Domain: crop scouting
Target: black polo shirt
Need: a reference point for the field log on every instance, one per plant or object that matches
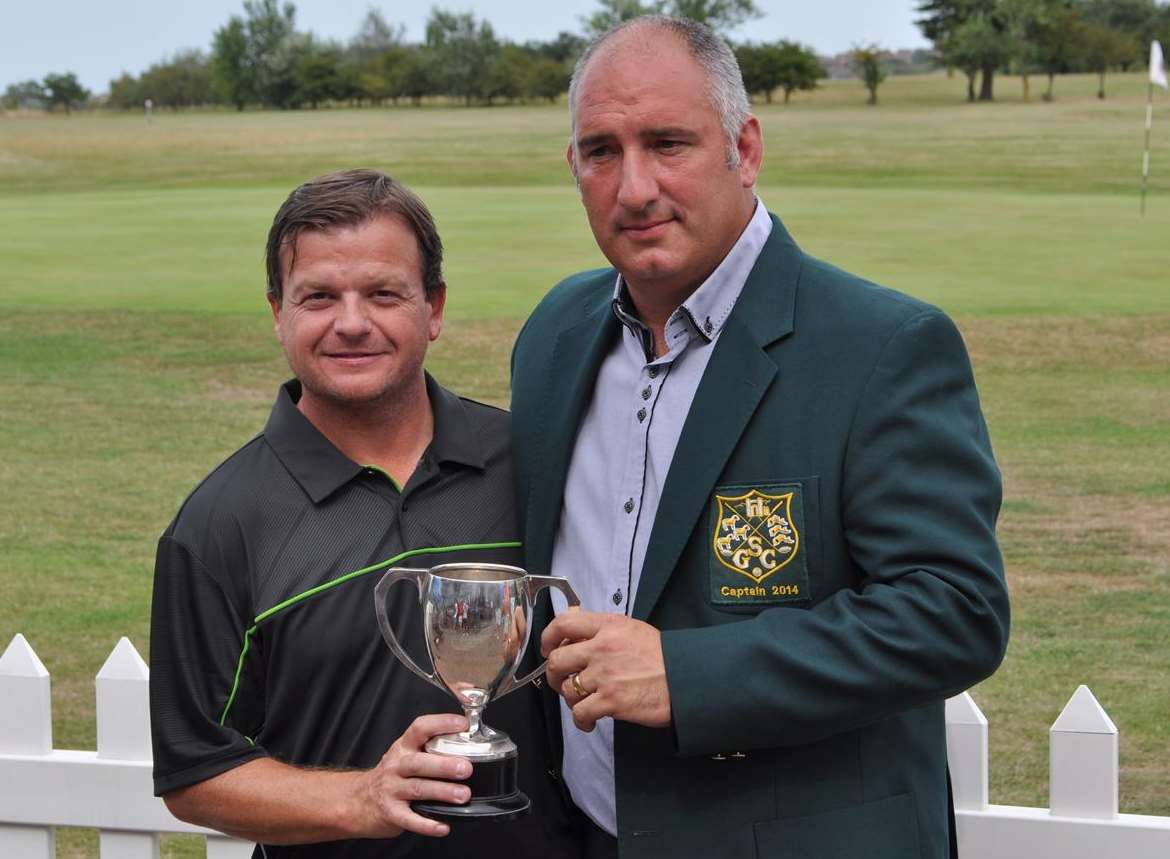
(264, 640)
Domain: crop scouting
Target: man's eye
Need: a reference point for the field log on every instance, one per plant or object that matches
(669, 145)
(597, 152)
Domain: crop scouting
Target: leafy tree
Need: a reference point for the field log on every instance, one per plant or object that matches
(64, 90)
(1058, 44)
(548, 79)
(1137, 19)
(184, 80)
(231, 70)
(1023, 21)
(27, 95)
(125, 92)
(783, 64)
(1102, 47)
(273, 50)
(868, 65)
(799, 68)
(614, 12)
(463, 50)
(758, 76)
(719, 15)
(944, 19)
(508, 74)
(565, 48)
(318, 74)
(373, 38)
(973, 47)
(414, 76)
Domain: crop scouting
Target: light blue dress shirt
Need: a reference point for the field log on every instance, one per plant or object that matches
(622, 454)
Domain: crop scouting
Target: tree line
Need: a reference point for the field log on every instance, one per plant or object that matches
(982, 38)
(260, 59)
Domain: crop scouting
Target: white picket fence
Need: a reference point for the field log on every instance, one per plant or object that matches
(110, 789)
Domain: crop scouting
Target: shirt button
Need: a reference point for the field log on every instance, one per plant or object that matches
(653, 372)
(646, 392)
(641, 415)
(617, 597)
(629, 505)
(707, 326)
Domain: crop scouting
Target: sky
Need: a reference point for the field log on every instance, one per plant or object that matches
(99, 40)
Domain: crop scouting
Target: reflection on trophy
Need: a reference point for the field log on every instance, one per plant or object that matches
(476, 619)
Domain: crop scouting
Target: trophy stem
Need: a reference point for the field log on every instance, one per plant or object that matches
(474, 720)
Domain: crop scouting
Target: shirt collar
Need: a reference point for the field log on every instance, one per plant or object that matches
(321, 469)
(707, 308)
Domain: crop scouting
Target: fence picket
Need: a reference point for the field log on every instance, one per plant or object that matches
(27, 842)
(967, 752)
(123, 705)
(128, 845)
(26, 719)
(1083, 765)
(223, 847)
(26, 728)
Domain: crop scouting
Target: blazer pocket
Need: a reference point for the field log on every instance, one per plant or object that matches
(883, 829)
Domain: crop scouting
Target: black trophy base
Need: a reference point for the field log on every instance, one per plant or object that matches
(495, 797)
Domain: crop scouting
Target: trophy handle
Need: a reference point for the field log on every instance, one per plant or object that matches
(535, 585)
(380, 593)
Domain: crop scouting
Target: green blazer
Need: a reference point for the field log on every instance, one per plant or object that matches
(838, 423)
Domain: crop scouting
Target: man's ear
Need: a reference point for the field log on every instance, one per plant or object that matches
(571, 158)
(437, 302)
(274, 304)
(750, 146)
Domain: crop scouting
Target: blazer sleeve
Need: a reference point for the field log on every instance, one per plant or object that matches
(928, 618)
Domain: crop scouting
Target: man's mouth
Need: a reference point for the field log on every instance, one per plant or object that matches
(649, 229)
(352, 357)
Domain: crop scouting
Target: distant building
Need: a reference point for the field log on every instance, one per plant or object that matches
(904, 61)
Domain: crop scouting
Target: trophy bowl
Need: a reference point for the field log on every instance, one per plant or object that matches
(476, 621)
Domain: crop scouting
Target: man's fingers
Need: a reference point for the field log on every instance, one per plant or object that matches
(571, 625)
(566, 659)
(425, 765)
(586, 712)
(425, 727)
(412, 822)
(422, 789)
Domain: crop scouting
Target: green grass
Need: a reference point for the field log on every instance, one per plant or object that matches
(136, 350)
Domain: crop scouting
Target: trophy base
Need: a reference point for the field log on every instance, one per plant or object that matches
(495, 796)
(496, 809)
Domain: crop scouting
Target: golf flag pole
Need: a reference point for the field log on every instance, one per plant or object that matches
(1157, 76)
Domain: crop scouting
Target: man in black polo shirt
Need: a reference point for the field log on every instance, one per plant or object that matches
(278, 713)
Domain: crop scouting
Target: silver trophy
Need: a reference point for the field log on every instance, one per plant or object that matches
(476, 619)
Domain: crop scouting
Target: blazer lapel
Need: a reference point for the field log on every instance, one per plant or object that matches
(735, 381)
(576, 360)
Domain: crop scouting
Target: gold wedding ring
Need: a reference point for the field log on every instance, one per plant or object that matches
(577, 687)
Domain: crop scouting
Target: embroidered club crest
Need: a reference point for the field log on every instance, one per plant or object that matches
(754, 533)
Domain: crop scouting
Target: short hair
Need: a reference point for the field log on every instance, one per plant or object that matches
(347, 199)
(725, 88)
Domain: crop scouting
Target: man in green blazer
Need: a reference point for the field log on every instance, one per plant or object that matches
(770, 482)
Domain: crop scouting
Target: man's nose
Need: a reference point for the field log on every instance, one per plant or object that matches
(351, 320)
(638, 187)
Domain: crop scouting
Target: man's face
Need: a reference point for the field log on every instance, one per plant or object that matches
(650, 158)
(354, 320)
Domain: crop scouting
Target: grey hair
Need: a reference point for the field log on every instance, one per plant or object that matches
(725, 88)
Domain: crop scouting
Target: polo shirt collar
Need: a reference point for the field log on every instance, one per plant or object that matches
(321, 469)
